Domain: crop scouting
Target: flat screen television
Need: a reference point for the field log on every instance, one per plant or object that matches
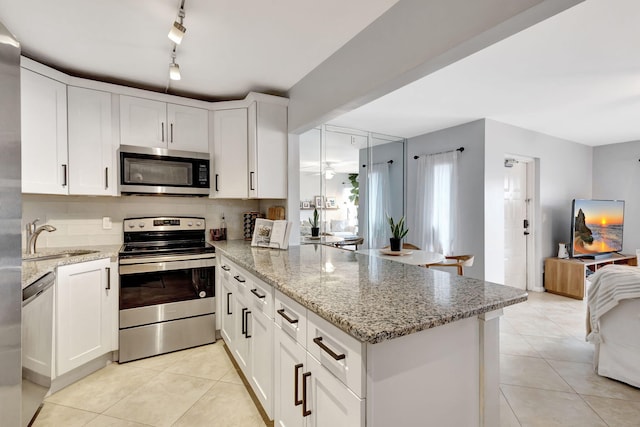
(596, 227)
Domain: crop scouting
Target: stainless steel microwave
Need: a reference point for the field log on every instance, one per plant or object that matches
(145, 170)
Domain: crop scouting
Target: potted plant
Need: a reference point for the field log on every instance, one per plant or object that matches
(315, 230)
(398, 231)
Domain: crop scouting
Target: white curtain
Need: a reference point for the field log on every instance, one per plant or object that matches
(436, 202)
(379, 205)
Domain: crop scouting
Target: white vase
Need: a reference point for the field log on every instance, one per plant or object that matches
(562, 250)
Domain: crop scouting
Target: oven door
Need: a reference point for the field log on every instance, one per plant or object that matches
(159, 291)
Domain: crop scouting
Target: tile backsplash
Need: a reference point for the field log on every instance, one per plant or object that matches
(78, 219)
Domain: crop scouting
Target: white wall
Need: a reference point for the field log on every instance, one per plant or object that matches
(564, 172)
(470, 185)
(616, 175)
(79, 219)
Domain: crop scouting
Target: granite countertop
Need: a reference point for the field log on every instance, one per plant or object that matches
(34, 269)
(370, 298)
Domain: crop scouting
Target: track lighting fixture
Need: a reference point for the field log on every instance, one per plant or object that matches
(178, 29)
(174, 69)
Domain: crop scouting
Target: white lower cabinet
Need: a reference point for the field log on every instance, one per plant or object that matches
(86, 311)
(247, 328)
(306, 392)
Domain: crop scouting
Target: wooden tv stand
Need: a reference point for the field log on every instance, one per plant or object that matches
(567, 277)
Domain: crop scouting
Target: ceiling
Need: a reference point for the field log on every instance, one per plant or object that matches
(231, 47)
(575, 76)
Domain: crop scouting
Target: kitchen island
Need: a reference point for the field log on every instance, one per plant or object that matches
(429, 339)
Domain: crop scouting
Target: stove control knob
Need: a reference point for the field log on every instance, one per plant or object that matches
(141, 225)
(131, 225)
(190, 224)
(198, 224)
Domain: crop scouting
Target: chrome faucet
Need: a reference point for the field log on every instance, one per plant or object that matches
(33, 233)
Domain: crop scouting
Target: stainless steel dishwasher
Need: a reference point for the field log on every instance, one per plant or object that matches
(37, 334)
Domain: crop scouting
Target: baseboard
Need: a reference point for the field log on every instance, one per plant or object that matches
(80, 372)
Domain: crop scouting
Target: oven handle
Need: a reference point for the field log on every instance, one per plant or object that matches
(165, 266)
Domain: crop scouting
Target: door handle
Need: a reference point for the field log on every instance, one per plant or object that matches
(246, 314)
(171, 130)
(162, 132)
(108, 270)
(251, 180)
(64, 175)
(106, 178)
(228, 304)
(296, 369)
(305, 412)
(244, 328)
(217, 183)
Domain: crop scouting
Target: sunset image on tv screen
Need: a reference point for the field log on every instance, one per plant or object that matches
(597, 226)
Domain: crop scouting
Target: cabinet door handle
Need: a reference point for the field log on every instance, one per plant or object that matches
(225, 268)
(255, 292)
(228, 304)
(239, 279)
(296, 369)
(64, 175)
(162, 132)
(318, 340)
(244, 328)
(108, 270)
(287, 318)
(305, 412)
(171, 130)
(251, 180)
(106, 178)
(217, 182)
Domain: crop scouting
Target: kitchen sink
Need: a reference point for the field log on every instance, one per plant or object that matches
(54, 255)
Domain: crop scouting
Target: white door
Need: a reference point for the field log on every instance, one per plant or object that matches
(289, 363)
(188, 128)
(90, 147)
(44, 134)
(515, 233)
(261, 358)
(83, 322)
(230, 175)
(228, 327)
(143, 122)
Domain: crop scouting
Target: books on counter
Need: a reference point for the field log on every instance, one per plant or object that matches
(271, 234)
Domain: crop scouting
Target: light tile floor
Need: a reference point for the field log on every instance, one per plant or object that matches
(546, 380)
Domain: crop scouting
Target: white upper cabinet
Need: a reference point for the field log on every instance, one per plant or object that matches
(44, 134)
(229, 178)
(250, 152)
(188, 128)
(267, 151)
(91, 147)
(148, 123)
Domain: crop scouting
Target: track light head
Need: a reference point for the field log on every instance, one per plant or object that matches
(174, 69)
(177, 32)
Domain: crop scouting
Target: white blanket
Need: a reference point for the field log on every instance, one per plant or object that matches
(610, 285)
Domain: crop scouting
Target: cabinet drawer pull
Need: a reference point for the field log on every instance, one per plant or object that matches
(171, 127)
(255, 292)
(225, 268)
(296, 369)
(108, 270)
(239, 279)
(229, 304)
(305, 412)
(162, 132)
(106, 178)
(318, 340)
(251, 181)
(246, 321)
(287, 318)
(244, 327)
(217, 182)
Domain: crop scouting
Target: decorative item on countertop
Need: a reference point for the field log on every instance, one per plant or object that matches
(398, 231)
(249, 223)
(562, 251)
(219, 233)
(315, 230)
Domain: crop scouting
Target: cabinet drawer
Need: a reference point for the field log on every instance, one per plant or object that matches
(291, 317)
(261, 297)
(342, 355)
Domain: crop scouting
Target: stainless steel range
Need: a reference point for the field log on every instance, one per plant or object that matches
(167, 286)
